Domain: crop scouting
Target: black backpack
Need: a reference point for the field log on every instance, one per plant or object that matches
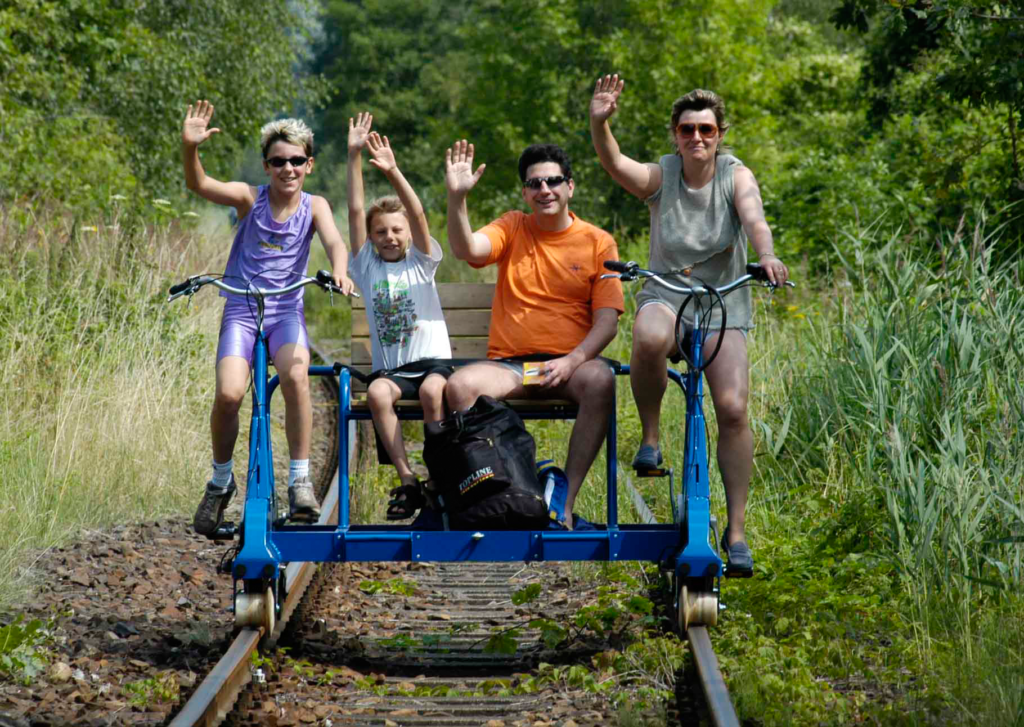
(484, 474)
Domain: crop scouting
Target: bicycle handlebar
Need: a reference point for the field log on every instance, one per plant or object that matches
(195, 282)
(631, 271)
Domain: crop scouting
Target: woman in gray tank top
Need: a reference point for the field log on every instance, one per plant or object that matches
(704, 207)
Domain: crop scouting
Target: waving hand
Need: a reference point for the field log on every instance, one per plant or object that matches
(197, 118)
(606, 97)
(459, 176)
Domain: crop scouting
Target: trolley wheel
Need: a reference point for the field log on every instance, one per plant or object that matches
(696, 608)
(256, 610)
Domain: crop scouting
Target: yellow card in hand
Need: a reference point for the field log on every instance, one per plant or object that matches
(533, 373)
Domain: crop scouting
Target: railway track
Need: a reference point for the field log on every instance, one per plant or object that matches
(418, 658)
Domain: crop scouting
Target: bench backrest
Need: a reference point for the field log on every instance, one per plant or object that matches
(467, 312)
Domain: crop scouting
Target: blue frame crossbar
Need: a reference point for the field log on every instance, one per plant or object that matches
(684, 545)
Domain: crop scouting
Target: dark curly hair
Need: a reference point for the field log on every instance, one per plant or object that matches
(538, 153)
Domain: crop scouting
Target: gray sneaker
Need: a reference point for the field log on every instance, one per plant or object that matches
(302, 504)
(210, 512)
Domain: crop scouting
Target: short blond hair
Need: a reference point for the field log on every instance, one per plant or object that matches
(291, 131)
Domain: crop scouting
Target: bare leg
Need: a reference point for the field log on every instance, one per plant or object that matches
(292, 364)
(653, 340)
(592, 387)
(728, 378)
(491, 379)
(381, 398)
(232, 382)
(432, 398)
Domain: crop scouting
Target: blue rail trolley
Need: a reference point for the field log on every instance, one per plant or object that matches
(686, 548)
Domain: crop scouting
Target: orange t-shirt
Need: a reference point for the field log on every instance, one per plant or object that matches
(549, 284)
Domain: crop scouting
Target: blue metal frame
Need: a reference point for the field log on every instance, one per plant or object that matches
(683, 545)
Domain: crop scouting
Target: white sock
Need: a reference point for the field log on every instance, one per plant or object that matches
(297, 468)
(222, 474)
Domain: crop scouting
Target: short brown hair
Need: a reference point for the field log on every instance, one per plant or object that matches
(697, 100)
(383, 206)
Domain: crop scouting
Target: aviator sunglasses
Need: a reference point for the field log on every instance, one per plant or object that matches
(278, 162)
(704, 129)
(552, 182)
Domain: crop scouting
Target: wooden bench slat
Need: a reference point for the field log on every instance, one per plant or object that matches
(464, 321)
(475, 347)
(455, 295)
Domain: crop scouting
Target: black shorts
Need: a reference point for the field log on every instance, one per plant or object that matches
(410, 388)
(410, 385)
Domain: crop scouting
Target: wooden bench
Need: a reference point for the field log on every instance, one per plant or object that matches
(467, 313)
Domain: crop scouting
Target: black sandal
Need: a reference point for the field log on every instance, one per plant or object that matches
(407, 499)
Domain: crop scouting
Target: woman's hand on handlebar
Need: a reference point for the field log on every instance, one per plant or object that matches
(777, 272)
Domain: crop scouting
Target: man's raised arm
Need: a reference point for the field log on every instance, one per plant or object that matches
(460, 178)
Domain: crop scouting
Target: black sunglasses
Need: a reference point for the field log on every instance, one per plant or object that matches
(279, 162)
(552, 182)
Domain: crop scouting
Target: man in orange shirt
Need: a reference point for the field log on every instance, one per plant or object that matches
(549, 298)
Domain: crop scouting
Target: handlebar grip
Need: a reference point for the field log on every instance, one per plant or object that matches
(757, 272)
(180, 287)
(617, 265)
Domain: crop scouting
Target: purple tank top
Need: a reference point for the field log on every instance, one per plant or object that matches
(271, 254)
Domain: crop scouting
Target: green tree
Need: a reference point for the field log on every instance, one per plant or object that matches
(98, 88)
(970, 54)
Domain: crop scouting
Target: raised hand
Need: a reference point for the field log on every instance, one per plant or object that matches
(459, 176)
(381, 155)
(197, 118)
(606, 97)
(358, 130)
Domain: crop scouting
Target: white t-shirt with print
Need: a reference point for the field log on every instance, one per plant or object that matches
(404, 311)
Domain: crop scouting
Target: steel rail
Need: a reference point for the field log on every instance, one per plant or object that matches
(716, 695)
(217, 693)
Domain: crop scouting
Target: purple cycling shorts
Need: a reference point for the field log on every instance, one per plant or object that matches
(238, 331)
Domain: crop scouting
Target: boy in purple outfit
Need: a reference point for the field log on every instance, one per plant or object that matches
(271, 250)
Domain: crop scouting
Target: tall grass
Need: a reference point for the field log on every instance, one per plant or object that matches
(909, 410)
(103, 415)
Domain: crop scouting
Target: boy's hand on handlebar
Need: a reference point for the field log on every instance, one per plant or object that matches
(344, 283)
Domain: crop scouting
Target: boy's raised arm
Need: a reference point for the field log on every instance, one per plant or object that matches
(382, 157)
(358, 131)
(194, 131)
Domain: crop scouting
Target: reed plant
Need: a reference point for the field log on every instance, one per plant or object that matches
(893, 445)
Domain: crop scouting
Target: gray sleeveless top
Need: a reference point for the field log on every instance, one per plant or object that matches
(699, 230)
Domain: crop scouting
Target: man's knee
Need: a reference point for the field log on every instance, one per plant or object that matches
(594, 382)
(461, 390)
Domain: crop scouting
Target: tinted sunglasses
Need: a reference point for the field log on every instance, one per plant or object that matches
(552, 182)
(278, 162)
(704, 129)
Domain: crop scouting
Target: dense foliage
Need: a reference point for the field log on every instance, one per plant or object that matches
(92, 92)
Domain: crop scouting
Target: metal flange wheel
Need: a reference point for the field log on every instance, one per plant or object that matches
(256, 610)
(696, 608)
